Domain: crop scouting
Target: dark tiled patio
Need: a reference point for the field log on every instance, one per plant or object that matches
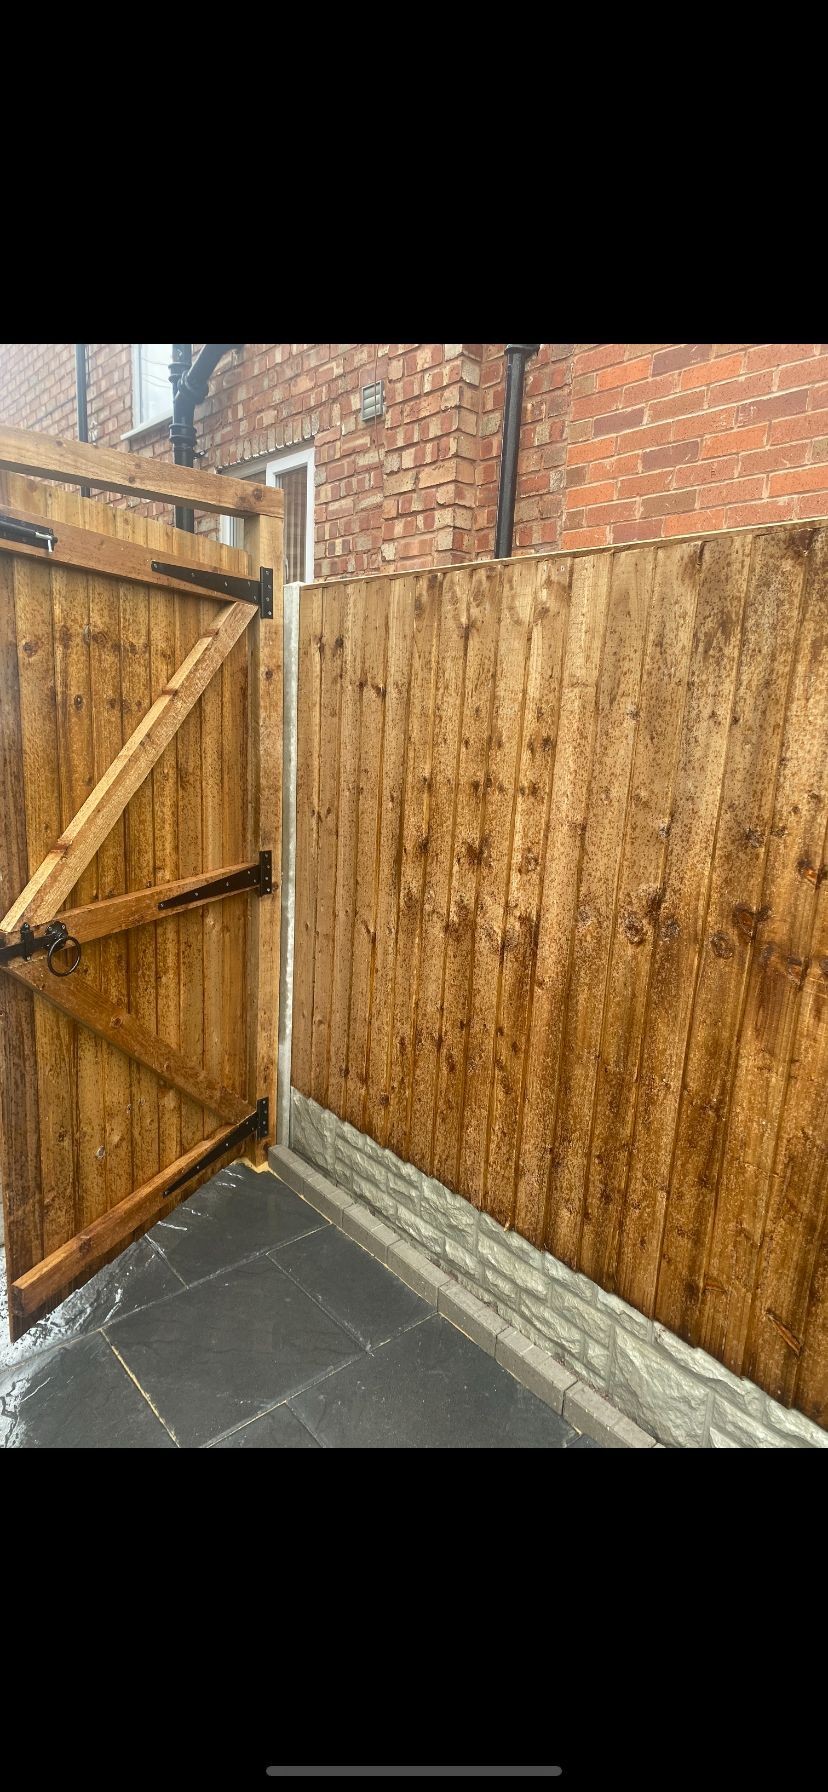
(247, 1321)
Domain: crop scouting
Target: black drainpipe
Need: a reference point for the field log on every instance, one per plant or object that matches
(80, 396)
(517, 355)
(190, 382)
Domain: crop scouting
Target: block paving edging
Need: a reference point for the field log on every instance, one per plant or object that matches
(536, 1370)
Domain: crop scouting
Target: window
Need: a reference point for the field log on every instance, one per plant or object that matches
(291, 473)
(151, 389)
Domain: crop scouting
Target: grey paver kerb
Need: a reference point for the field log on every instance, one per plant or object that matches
(590, 1413)
(414, 1269)
(540, 1373)
(479, 1322)
(372, 1234)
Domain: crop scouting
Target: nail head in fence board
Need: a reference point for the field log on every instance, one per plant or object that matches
(263, 543)
(75, 463)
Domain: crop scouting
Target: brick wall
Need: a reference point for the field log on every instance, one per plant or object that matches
(619, 442)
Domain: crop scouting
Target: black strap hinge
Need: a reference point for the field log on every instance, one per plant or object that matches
(257, 1123)
(249, 591)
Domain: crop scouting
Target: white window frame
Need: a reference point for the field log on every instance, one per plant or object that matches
(268, 467)
(138, 427)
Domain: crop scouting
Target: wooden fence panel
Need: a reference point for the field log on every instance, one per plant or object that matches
(561, 913)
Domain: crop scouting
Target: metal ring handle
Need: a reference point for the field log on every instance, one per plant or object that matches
(58, 945)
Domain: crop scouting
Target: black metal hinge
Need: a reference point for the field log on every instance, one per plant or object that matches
(32, 535)
(250, 591)
(257, 1123)
(252, 877)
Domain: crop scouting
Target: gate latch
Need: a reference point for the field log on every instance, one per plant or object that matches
(30, 535)
(54, 939)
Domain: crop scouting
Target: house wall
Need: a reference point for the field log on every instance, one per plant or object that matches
(620, 441)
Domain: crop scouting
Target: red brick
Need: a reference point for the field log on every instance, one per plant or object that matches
(584, 538)
(684, 355)
(586, 451)
(803, 373)
(594, 494)
(801, 479)
(593, 404)
(625, 375)
(704, 423)
(770, 460)
(648, 392)
(811, 504)
(797, 429)
(682, 404)
(653, 436)
(610, 513)
(746, 516)
(668, 503)
(734, 441)
(697, 522)
(704, 472)
(705, 372)
(643, 483)
(819, 398)
(776, 354)
(785, 404)
(735, 491)
(673, 454)
(643, 529)
(604, 355)
(618, 422)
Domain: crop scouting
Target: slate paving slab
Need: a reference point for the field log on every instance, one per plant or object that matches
(277, 1430)
(228, 1348)
(354, 1288)
(236, 1214)
(136, 1278)
(429, 1388)
(79, 1397)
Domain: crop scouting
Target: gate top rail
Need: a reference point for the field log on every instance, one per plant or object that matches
(79, 463)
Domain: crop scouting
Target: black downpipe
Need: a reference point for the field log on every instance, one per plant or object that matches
(190, 382)
(80, 397)
(517, 355)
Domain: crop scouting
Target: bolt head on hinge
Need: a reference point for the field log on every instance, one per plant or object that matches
(262, 1117)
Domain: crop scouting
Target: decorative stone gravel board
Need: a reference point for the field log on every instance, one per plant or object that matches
(684, 1397)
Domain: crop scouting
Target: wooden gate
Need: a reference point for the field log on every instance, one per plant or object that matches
(140, 732)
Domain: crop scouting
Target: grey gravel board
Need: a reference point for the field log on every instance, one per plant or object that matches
(77, 1398)
(278, 1430)
(229, 1348)
(429, 1388)
(356, 1290)
(236, 1214)
(134, 1279)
